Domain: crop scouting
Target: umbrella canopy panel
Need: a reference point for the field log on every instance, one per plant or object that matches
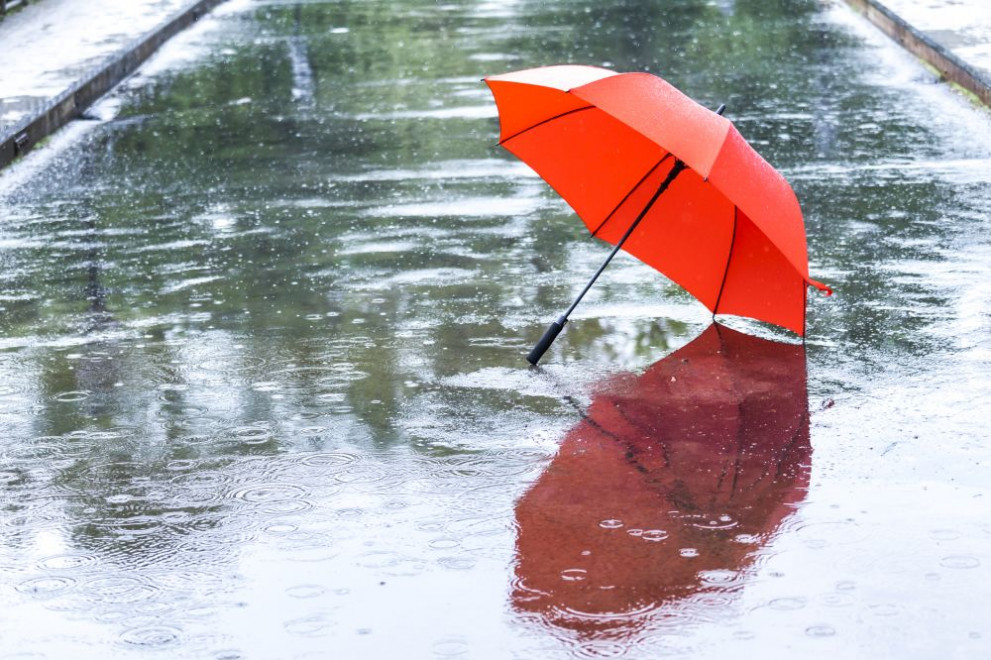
(729, 228)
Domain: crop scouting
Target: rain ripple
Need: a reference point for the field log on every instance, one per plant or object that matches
(46, 586)
(268, 492)
(152, 637)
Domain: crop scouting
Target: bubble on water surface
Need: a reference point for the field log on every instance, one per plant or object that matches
(228, 654)
(444, 543)
(718, 522)
(959, 562)
(72, 397)
(574, 574)
(787, 604)
(305, 591)
(252, 435)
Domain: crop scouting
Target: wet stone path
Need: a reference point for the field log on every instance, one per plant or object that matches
(262, 392)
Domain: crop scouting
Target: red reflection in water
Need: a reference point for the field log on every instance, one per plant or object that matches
(667, 487)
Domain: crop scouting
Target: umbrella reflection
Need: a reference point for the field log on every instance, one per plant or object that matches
(667, 487)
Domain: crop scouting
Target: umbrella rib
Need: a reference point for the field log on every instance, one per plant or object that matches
(545, 121)
(729, 257)
(632, 190)
(796, 437)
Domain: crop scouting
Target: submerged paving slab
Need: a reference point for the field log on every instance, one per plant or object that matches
(954, 36)
(61, 55)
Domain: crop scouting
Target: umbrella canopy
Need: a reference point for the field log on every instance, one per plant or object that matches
(668, 485)
(729, 229)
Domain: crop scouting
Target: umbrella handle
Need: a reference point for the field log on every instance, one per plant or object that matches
(553, 330)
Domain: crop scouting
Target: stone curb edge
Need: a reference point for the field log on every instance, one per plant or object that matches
(71, 103)
(916, 42)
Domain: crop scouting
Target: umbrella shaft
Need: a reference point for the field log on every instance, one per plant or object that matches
(557, 326)
(675, 171)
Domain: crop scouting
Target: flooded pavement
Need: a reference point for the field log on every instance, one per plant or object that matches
(263, 392)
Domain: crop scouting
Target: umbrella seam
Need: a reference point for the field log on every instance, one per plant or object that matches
(729, 258)
(545, 121)
(631, 451)
(631, 191)
(792, 442)
(804, 276)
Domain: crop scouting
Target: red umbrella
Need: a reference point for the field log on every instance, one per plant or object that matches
(667, 486)
(729, 229)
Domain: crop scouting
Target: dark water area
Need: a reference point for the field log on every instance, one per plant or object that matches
(262, 326)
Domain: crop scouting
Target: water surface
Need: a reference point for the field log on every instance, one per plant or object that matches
(262, 391)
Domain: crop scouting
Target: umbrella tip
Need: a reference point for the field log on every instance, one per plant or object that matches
(822, 287)
(721, 109)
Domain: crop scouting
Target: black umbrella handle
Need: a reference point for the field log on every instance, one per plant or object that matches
(557, 326)
(553, 330)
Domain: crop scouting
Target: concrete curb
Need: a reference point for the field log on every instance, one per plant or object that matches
(7, 5)
(71, 103)
(951, 67)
